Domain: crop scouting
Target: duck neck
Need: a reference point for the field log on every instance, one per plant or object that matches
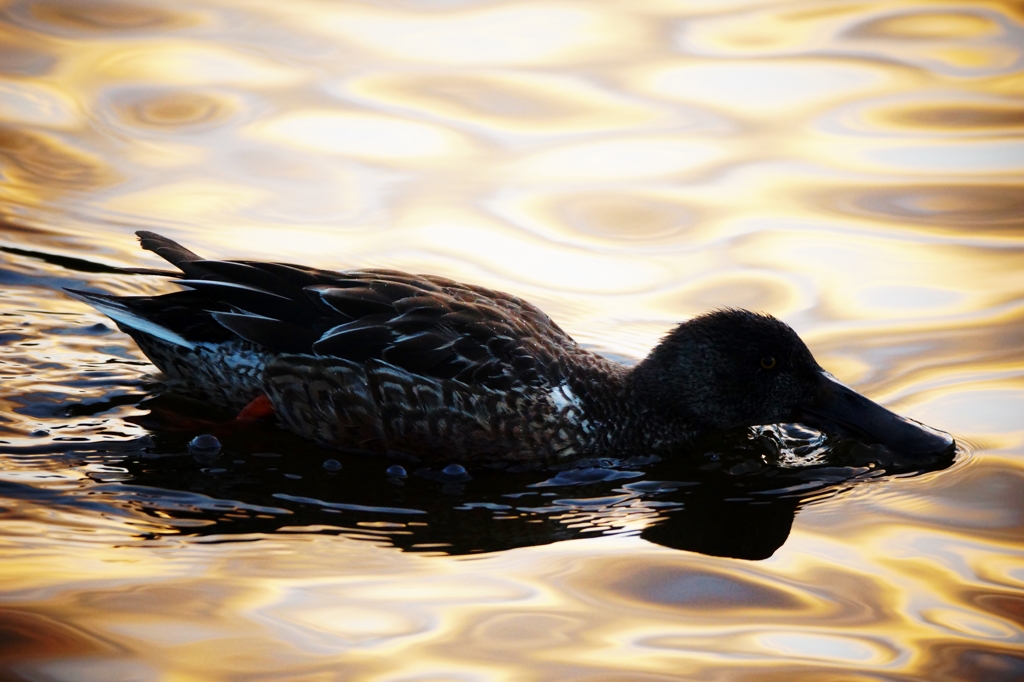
(654, 416)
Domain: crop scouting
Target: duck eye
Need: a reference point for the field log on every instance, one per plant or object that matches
(768, 362)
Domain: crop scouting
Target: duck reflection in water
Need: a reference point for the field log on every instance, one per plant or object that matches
(732, 494)
(437, 372)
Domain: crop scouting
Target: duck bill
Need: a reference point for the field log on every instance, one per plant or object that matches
(837, 409)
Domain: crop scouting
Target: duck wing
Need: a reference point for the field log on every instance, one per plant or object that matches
(427, 325)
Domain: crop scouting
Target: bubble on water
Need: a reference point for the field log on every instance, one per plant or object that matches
(396, 471)
(204, 445)
(332, 465)
(454, 472)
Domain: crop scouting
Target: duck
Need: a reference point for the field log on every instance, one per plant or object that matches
(388, 361)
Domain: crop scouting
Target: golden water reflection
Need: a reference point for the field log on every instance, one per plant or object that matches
(852, 168)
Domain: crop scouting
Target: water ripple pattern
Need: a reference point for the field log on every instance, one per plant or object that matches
(855, 168)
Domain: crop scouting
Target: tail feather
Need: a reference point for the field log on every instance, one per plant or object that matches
(116, 310)
(168, 249)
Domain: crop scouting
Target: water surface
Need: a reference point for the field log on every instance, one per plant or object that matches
(856, 169)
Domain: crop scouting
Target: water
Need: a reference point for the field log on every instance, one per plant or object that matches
(855, 169)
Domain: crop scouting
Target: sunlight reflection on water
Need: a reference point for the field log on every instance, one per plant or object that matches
(854, 169)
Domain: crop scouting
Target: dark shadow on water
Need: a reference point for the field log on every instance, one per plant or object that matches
(731, 495)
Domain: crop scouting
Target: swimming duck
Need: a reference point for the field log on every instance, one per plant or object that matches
(420, 364)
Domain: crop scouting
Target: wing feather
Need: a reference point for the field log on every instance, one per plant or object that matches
(267, 332)
(429, 325)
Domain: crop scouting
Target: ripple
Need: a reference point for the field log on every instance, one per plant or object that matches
(620, 160)
(101, 17)
(972, 624)
(22, 60)
(504, 252)
(849, 650)
(955, 42)
(193, 64)
(36, 105)
(949, 117)
(973, 663)
(697, 590)
(761, 90)
(628, 219)
(37, 160)
(36, 635)
(765, 291)
(926, 25)
(512, 34)
(189, 201)
(978, 158)
(361, 135)
(501, 102)
(530, 631)
(174, 111)
(927, 116)
(346, 625)
(991, 410)
(991, 208)
(701, 590)
(971, 41)
(909, 299)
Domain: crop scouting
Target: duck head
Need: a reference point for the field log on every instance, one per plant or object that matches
(734, 368)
